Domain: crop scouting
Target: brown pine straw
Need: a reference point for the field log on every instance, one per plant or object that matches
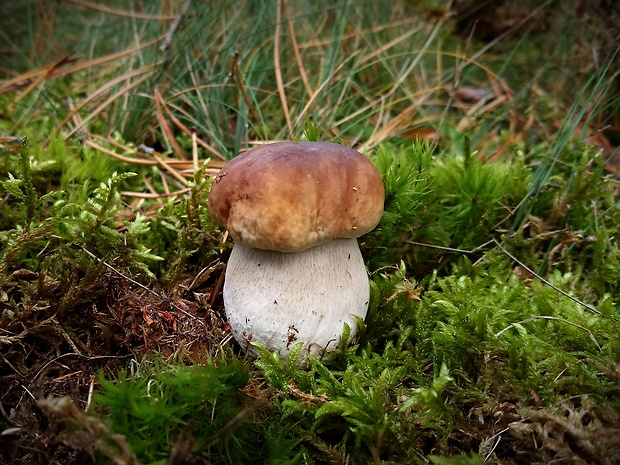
(101, 91)
(164, 181)
(163, 163)
(401, 121)
(75, 116)
(41, 75)
(165, 128)
(195, 150)
(278, 70)
(324, 84)
(179, 164)
(300, 63)
(190, 132)
(152, 190)
(54, 70)
(154, 195)
(127, 14)
(187, 168)
(92, 115)
(236, 76)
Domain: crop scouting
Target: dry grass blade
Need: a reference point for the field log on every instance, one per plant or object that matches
(91, 433)
(149, 195)
(135, 161)
(400, 122)
(46, 15)
(214, 165)
(100, 91)
(107, 58)
(152, 189)
(13, 338)
(163, 163)
(236, 75)
(449, 249)
(242, 416)
(75, 116)
(407, 72)
(278, 69)
(18, 81)
(369, 31)
(38, 76)
(324, 85)
(113, 98)
(300, 63)
(152, 193)
(11, 143)
(122, 275)
(480, 108)
(191, 133)
(165, 128)
(195, 150)
(391, 44)
(526, 19)
(124, 13)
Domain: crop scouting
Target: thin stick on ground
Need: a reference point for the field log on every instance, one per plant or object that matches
(122, 275)
(195, 150)
(174, 26)
(529, 270)
(555, 318)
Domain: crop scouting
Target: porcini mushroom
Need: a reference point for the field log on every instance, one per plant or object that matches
(294, 210)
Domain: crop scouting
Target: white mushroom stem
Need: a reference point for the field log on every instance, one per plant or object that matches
(279, 299)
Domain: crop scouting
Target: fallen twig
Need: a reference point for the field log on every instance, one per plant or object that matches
(92, 255)
(548, 317)
(529, 270)
(174, 26)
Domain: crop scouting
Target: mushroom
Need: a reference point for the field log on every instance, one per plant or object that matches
(296, 274)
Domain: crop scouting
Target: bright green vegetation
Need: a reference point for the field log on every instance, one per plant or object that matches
(493, 333)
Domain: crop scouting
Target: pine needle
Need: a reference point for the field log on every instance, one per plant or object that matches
(278, 69)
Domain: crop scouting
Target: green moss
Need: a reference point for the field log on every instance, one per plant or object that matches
(163, 404)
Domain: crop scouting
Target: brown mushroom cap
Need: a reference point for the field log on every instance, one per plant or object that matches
(289, 196)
